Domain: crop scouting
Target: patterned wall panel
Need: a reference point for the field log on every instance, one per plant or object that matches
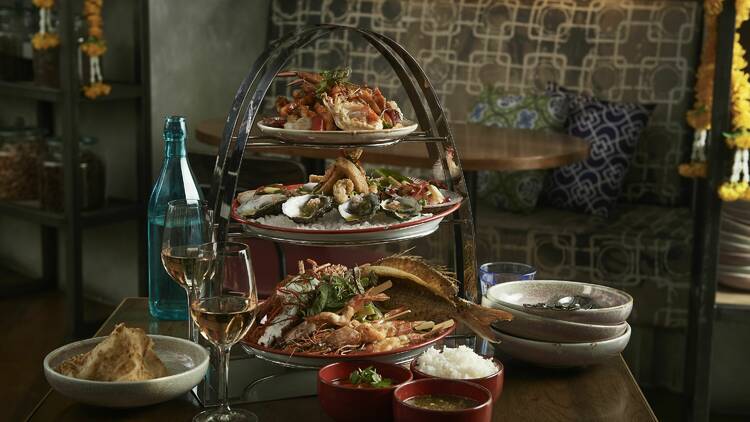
(622, 50)
(642, 249)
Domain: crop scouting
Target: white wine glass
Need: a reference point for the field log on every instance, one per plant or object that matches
(223, 307)
(187, 226)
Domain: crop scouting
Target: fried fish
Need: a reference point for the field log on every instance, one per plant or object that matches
(431, 293)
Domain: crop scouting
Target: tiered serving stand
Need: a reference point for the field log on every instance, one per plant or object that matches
(434, 132)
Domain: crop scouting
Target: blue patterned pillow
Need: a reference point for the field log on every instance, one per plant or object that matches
(517, 191)
(612, 129)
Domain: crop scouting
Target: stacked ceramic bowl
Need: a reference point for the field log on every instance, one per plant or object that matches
(560, 323)
(734, 245)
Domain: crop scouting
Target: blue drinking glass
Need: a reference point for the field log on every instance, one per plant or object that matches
(493, 273)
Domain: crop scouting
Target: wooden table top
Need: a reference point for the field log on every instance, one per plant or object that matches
(606, 392)
(480, 148)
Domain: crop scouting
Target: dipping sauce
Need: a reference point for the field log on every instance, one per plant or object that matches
(442, 402)
(346, 383)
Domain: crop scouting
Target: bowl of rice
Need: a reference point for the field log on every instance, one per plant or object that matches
(460, 363)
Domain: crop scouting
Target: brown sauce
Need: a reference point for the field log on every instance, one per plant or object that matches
(442, 402)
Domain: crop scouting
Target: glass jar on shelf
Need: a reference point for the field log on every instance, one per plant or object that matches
(16, 28)
(47, 67)
(20, 148)
(52, 181)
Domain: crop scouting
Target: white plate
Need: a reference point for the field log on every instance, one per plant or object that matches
(186, 363)
(340, 137)
(735, 280)
(371, 235)
(313, 361)
(616, 305)
(535, 327)
(451, 198)
(561, 355)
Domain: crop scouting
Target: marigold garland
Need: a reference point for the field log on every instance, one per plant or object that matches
(46, 38)
(738, 185)
(699, 117)
(94, 47)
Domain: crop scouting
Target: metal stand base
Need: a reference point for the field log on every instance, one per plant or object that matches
(255, 380)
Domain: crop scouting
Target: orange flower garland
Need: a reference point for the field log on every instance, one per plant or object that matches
(699, 118)
(46, 38)
(94, 47)
(738, 185)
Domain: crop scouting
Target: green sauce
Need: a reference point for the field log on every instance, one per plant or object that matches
(442, 402)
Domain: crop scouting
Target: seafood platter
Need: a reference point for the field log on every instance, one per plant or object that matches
(327, 108)
(346, 205)
(390, 310)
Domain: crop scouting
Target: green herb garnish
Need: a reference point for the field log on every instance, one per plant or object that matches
(369, 376)
(332, 78)
(383, 172)
(334, 291)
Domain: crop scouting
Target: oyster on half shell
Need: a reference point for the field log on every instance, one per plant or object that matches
(306, 208)
(360, 208)
(257, 205)
(401, 207)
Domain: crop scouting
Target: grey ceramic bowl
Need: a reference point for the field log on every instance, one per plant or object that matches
(560, 355)
(186, 362)
(614, 305)
(535, 327)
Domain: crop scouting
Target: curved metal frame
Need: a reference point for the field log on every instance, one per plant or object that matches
(424, 99)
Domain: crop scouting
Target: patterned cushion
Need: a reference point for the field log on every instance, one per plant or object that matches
(613, 129)
(517, 191)
(540, 111)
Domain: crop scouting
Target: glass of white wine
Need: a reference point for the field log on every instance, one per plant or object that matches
(187, 226)
(224, 306)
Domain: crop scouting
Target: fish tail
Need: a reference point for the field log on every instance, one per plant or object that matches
(479, 319)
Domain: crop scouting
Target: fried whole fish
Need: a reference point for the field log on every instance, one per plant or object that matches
(431, 294)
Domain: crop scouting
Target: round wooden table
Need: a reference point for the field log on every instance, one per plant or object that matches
(480, 148)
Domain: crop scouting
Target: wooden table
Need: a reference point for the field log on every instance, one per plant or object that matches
(606, 392)
(480, 148)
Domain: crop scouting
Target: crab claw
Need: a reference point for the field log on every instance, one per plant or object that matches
(310, 77)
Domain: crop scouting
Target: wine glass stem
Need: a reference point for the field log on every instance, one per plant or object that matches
(193, 334)
(224, 377)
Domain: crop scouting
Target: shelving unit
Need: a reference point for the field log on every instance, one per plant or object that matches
(708, 300)
(71, 223)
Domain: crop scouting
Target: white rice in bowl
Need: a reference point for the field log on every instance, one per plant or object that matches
(455, 363)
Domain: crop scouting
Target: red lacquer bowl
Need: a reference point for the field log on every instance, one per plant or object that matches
(493, 382)
(346, 403)
(403, 412)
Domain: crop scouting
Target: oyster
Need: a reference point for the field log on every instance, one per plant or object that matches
(255, 205)
(269, 189)
(401, 207)
(306, 208)
(359, 208)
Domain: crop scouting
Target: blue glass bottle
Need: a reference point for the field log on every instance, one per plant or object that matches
(166, 299)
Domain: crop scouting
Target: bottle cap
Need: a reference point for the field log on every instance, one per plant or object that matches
(175, 128)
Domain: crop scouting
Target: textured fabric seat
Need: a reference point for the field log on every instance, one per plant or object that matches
(642, 249)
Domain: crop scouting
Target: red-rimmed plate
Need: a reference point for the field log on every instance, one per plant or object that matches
(341, 137)
(367, 235)
(304, 360)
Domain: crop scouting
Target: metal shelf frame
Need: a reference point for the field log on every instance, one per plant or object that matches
(65, 100)
(436, 133)
(705, 305)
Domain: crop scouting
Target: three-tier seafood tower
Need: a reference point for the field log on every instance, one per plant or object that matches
(347, 207)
